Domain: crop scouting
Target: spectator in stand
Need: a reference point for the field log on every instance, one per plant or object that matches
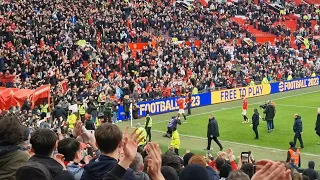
(11, 155)
(237, 175)
(109, 141)
(310, 172)
(73, 154)
(198, 159)
(44, 143)
(137, 166)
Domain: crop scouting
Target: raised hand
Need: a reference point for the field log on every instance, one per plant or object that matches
(154, 161)
(130, 146)
(271, 170)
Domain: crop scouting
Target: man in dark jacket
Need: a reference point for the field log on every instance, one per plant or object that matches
(317, 129)
(270, 113)
(297, 129)
(109, 139)
(93, 110)
(43, 143)
(310, 172)
(213, 132)
(255, 122)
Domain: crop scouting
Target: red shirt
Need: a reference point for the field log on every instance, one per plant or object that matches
(245, 104)
(180, 103)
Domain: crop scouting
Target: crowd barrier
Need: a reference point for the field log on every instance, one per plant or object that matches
(169, 104)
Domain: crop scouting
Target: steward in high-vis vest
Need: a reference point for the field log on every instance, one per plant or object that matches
(142, 136)
(44, 110)
(175, 140)
(293, 155)
(148, 125)
(82, 111)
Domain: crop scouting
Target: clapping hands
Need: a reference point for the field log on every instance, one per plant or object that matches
(268, 170)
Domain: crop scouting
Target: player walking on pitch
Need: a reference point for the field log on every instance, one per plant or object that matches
(244, 110)
(181, 104)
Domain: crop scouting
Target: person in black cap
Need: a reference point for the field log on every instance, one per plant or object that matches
(169, 173)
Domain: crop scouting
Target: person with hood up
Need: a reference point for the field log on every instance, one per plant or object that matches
(310, 172)
(297, 129)
(11, 157)
(293, 155)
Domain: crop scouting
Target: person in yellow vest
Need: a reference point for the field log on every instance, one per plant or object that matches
(293, 155)
(44, 110)
(142, 136)
(313, 74)
(265, 80)
(148, 125)
(195, 90)
(289, 77)
(71, 120)
(252, 83)
(81, 111)
(175, 140)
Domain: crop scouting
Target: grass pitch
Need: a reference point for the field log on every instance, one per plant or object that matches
(240, 137)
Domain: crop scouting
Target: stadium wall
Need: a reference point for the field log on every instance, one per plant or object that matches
(169, 104)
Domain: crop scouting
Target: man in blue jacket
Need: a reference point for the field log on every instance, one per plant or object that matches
(297, 129)
(109, 141)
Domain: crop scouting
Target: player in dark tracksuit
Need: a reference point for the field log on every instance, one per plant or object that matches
(173, 123)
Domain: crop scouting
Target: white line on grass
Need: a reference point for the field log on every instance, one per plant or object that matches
(290, 105)
(223, 109)
(242, 144)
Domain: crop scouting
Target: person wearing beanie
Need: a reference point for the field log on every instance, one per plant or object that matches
(169, 173)
(194, 172)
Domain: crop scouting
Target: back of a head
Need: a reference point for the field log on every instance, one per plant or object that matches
(171, 160)
(194, 172)
(11, 130)
(187, 157)
(169, 173)
(219, 162)
(108, 137)
(296, 176)
(225, 170)
(137, 163)
(238, 175)
(304, 177)
(311, 164)
(43, 141)
(198, 159)
(68, 147)
(248, 169)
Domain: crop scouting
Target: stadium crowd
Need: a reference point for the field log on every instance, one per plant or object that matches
(46, 43)
(85, 43)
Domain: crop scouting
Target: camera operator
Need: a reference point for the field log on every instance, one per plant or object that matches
(270, 112)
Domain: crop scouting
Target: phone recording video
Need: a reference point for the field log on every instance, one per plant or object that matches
(245, 157)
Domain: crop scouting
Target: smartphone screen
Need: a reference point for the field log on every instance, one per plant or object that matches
(245, 157)
(90, 151)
